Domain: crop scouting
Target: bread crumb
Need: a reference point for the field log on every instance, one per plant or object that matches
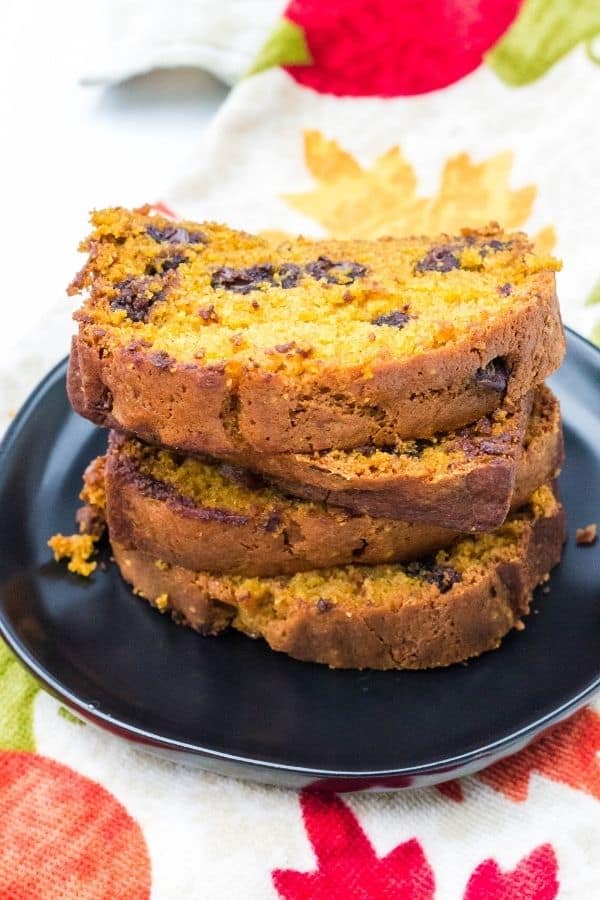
(162, 602)
(586, 536)
(77, 548)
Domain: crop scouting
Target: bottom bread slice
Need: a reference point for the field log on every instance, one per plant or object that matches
(418, 615)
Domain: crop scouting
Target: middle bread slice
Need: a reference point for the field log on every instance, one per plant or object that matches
(203, 515)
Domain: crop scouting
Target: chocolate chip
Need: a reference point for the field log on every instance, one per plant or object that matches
(496, 245)
(273, 521)
(443, 577)
(136, 297)
(173, 261)
(493, 376)
(289, 275)
(366, 450)
(161, 359)
(370, 449)
(343, 272)
(504, 289)
(285, 348)
(473, 446)
(323, 605)
(171, 234)
(360, 550)
(208, 314)
(242, 281)
(414, 449)
(396, 319)
(439, 259)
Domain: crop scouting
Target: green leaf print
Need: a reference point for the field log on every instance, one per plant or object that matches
(17, 693)
(544, 32)
(285, 46)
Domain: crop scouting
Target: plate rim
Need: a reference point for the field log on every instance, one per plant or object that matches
(451, 766)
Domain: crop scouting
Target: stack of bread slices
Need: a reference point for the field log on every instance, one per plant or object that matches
(343, 447)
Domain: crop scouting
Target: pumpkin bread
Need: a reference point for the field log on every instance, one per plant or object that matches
(209, 340)
(203, 515)
(415, 615)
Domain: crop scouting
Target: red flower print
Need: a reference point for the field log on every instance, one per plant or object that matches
(348, 868)
(389, 48)
(533, 879)
(63, 835)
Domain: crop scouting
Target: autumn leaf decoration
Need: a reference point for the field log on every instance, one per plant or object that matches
(347, 864)
(567, 754)
(349, 869)
(533, 878)
(350, 201)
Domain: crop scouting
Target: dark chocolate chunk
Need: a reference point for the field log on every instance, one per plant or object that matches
(161, 359)
(242, 281)
(323, 605)
(439, 259)
(396, 319)
(496, 245)
(370, 449)
(173, 261)
(493, 376)
(360, 550)
(342, 272)
(443, 577)
(173, 235)
(273, 521)
(289, 275)
(415, 449)
(504, 289)
(136, 297)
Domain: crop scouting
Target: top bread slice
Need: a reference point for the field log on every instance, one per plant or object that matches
(209, 340)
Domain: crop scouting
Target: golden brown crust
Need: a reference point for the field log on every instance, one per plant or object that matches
(289, 537)
(463, 622)
(201, 409)
(472, 494)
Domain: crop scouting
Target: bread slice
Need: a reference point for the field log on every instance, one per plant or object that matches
(463, 480)
(204, 516)
(412, 616)
(209, 340)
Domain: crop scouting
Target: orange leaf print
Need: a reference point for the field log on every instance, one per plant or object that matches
(350, 201)
(567, 754)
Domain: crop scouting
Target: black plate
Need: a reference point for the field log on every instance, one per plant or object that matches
(236, 707)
